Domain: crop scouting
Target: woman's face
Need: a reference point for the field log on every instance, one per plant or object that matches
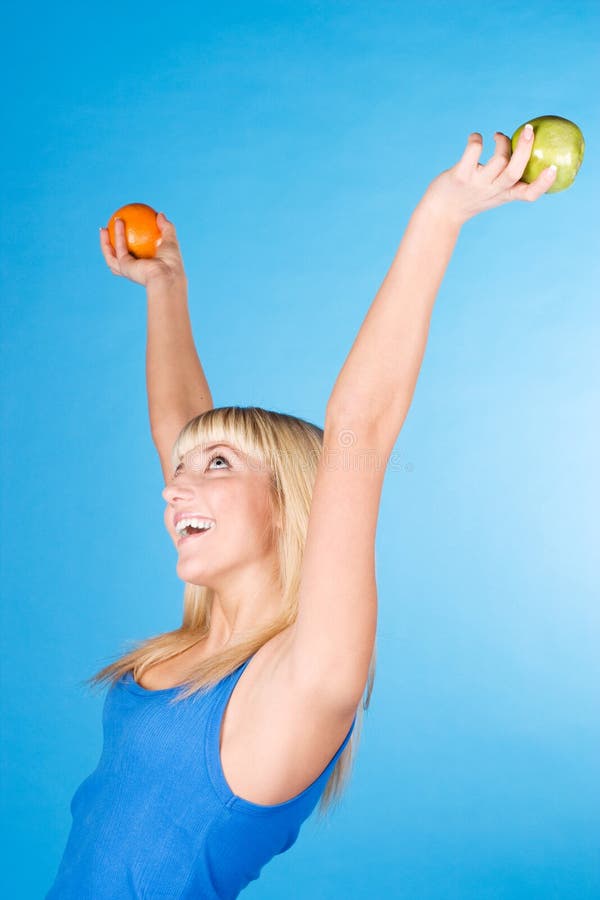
(220, 484)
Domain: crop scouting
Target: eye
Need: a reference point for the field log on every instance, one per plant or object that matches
(218, 456)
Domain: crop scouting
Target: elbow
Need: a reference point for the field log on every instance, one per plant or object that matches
(352, 433)
(380, 424)
(350, 409)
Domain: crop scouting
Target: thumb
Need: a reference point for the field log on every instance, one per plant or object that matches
(163, 222)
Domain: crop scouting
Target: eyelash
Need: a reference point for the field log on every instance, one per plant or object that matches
(216, 456)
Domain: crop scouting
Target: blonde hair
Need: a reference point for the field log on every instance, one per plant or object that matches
(289, 447)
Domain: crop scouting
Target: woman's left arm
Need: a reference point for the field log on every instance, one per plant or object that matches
(334, 632)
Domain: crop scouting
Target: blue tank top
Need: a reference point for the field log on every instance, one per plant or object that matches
(157, 819)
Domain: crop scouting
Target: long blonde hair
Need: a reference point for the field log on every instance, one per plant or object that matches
(290, 448)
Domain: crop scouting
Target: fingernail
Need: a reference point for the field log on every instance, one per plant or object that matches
(528, 131)
(551, 169)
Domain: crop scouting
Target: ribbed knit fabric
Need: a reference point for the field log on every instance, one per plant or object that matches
(157, 819)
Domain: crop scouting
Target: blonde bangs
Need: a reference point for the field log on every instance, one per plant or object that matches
(230, 424)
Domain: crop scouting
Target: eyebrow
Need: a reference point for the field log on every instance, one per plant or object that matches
(221, 444)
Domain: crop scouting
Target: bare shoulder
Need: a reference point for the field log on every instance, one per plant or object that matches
(276, 738)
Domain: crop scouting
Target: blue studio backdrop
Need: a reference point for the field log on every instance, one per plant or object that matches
(289, 143)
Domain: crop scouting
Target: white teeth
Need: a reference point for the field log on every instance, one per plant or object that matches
(183, 524)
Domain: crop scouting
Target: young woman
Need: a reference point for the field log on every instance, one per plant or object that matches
(221, 736)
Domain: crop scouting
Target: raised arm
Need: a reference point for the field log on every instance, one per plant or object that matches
(176, 384)
(334, 632)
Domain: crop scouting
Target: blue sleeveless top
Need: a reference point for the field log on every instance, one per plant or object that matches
(157, 819)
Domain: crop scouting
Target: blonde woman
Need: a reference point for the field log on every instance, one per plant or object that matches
(220, 737)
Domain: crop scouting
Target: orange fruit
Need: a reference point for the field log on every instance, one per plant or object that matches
(142, 234)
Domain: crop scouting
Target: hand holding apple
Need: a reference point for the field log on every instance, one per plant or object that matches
(514, 172)
(469, 188)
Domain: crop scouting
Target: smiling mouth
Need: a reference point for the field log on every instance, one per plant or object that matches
(194, 534)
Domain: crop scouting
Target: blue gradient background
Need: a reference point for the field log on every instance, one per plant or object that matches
(289, 143)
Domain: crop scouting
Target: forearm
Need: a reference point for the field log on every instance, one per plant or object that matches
(176, 384)
(379, 376)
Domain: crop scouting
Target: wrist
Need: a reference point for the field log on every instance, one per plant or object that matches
(167, 283)
(439, 207)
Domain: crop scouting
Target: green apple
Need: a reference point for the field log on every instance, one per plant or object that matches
(556, 141)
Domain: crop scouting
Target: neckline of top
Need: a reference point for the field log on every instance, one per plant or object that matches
(129, 682)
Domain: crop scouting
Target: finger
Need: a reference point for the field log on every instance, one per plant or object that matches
(470, 158)
(105, 244)
(518, 161)
(108, 251)
(530, 192)
(121, 244)
(167, 229)
(498, 162)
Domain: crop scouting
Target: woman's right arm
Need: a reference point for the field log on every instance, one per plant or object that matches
(176, 384)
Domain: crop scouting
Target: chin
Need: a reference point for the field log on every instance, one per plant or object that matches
(195, 573)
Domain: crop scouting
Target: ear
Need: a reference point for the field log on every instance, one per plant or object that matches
(276, 519)
(276, 512)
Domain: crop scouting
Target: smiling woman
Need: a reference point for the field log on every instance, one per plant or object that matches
(248, 709)
(224, 679)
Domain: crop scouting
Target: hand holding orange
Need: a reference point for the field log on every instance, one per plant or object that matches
(142, 233)
(141, 245)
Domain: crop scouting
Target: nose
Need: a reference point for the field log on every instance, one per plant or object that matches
(175, 490)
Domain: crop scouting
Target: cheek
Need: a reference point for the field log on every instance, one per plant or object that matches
(241, 507)
(263, 520)
(253, 514)
(225, 501)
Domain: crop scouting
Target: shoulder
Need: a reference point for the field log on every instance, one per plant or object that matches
(276, 739)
